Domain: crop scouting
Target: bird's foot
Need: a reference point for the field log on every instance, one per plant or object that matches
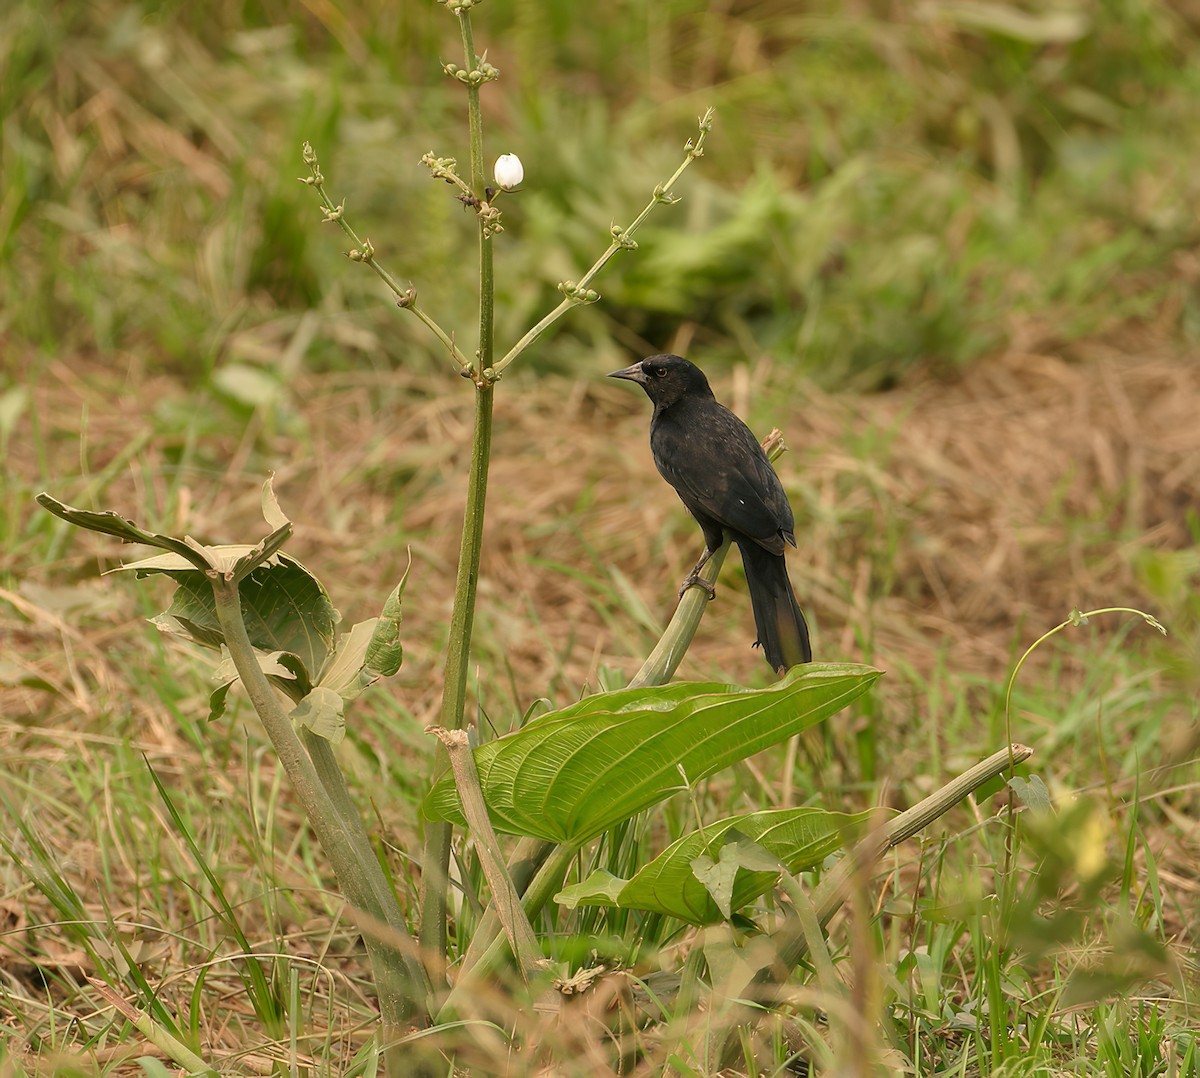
(697, 581)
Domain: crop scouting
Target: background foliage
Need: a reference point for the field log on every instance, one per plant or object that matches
(949, 248)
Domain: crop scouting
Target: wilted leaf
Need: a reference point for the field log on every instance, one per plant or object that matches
(321, 711)
(1032, 793)
(216, 700)
(275, 517)
(343, 672)
(110, 523)
(385, 652)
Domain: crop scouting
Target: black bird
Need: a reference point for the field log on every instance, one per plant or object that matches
(723, 477)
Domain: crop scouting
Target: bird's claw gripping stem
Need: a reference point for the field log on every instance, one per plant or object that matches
(694, 580)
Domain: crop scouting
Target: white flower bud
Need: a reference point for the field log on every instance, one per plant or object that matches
(508, 171)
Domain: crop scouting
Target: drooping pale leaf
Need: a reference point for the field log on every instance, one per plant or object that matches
(570, 774)
(739, 857)
(322, 712)
(275, 517)
(223, 557)
(195, 555)
(369, 651)
(799, 838)
(343, 673)
(200, 634)
(1032, 793)
(282, 668)
(109, 523)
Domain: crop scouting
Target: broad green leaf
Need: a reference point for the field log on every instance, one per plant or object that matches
(216, 701)
(570, 774)
(385, 653)
(798, 838)
(283, 605)
(601, 888)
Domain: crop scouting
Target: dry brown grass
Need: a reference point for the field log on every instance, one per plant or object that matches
(937, 515)
(940, 523)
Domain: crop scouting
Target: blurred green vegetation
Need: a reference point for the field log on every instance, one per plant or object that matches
(887, 184)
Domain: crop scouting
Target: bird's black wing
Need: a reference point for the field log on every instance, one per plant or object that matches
(721, 473)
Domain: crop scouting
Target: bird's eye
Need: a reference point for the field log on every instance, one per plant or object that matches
(660, 372)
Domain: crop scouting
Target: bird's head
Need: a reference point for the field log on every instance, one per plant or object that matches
(666, 379)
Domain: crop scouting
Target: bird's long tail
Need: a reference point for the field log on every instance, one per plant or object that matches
(782, 630)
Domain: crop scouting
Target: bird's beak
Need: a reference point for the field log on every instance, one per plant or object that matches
(634, 373)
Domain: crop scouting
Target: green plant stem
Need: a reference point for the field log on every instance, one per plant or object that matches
(668, 653)
(478, 181)
(505, 899)
(436, 854)
(333, 780)
(492, 947)
(400, 980)
(436, 858)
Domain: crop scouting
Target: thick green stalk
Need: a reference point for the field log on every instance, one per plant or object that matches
(662, 662)
(478, 180)
(436, 859)
(399, 978)
(490, 947)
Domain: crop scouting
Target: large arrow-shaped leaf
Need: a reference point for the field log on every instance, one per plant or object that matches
(800, 838)
(571, 774)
